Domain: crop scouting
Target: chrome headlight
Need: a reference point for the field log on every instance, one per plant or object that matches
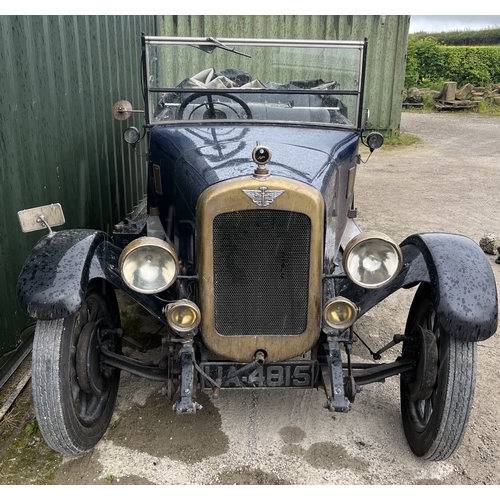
(372, 260)
(148, 265)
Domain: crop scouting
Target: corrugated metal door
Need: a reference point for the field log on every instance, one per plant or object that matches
(60, 77)
(387, 42)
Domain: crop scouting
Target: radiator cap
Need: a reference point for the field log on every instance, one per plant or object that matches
(262, 156)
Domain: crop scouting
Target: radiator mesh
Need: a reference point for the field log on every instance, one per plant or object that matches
(261, 272)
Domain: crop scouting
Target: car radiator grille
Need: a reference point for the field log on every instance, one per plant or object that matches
(261, 272)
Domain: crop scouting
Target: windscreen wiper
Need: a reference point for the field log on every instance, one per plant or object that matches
(210, 49)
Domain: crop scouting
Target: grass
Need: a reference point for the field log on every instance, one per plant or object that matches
(400, 140)
(392, 141)
(25, 458)
(487, 108)
(9, 422)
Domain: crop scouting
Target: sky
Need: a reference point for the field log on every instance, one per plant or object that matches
(436, 24)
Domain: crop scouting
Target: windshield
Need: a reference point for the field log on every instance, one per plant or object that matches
(265, 80)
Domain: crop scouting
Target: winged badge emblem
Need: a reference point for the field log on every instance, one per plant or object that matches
(263, 197)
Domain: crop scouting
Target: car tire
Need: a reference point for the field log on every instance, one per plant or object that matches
(74, 408)
(435, 425)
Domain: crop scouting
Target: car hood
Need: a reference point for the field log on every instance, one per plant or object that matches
(203, 156)
(196, 157)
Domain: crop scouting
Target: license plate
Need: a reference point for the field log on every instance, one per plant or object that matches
(297, 374)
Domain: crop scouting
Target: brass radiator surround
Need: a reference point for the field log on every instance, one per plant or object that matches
(229, 196)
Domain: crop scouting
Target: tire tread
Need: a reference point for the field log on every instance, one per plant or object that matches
(453, 401)
(53, 381)
(459, 397)
(46, 386)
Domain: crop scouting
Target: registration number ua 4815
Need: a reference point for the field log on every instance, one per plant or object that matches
(299, 374)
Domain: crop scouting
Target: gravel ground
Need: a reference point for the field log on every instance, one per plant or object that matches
(448, 182)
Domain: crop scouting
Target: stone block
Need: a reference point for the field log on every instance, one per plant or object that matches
(489, 243)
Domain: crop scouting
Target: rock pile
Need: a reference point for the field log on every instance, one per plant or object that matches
(450, 97)
(480, 93)
(416, 96)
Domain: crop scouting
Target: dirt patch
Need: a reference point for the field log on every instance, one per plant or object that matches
(326, 455)
(447, 182)
(189, 438)
(292, 435)
(248, 476)
(323, 455)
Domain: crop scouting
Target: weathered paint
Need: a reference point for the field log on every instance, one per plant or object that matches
(387, 43)
(60, 77)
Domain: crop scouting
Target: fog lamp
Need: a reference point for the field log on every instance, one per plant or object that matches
(372, 260)
(183, 316)
(148, 265)
(340, 313)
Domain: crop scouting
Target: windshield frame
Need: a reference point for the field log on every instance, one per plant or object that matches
(227, 44)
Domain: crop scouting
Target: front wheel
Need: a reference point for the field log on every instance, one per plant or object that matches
(437, 397)
(73, 393)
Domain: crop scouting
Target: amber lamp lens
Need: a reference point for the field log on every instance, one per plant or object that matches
(183, 316)
(340, 313)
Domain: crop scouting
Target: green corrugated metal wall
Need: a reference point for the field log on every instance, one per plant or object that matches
(60, 77)
(387, 42)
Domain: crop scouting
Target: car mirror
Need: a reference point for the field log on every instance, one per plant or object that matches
(47, 216)
(123, 109)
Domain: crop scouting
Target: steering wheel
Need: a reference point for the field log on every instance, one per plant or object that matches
(212, 112)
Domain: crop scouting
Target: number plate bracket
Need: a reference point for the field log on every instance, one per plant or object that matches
(291, 374)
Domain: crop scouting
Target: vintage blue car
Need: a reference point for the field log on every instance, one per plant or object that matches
(248, 253)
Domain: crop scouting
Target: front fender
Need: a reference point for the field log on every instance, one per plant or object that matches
(463, 286)
(56, 274)
(54, 279)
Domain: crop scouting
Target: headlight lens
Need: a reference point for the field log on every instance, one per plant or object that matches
(131, 135)
(148, 265)
(183, 316)
(340, 313)
(372, 260)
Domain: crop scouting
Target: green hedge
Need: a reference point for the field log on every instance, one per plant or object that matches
(485, 37)
(430, 64)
